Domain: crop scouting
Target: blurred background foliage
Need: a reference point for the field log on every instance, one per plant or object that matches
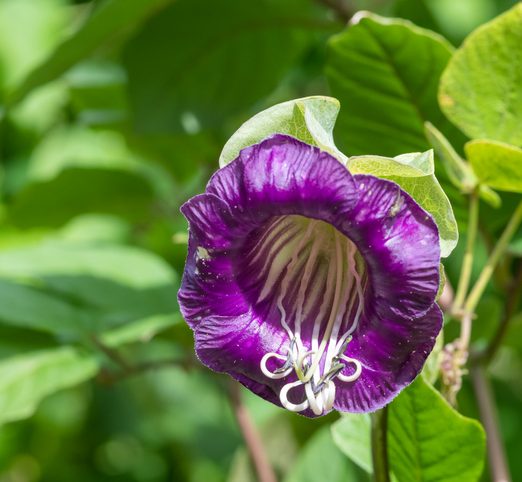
(112, 113)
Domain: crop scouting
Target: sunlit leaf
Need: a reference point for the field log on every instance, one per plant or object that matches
(497, 164)
(27, 378)
(27, 307)
(112, 18)
(480, 89)
(25, 42)
(310, 120)
(77, 191)
(123, 294)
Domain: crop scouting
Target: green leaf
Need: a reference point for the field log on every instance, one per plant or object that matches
(429, 441)
(75, 146)
(480, 89)
(113, 18)
(320, 459)
(27, 307)
(235, 56)
(310, 120)
(122, 294)
(496, 164)
(98, 92)
(71, 192)
(352, 435)
(385, 72)
(415, 174)
(26, 379)
(25, 42)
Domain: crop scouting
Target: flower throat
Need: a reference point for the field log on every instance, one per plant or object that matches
(322, 277)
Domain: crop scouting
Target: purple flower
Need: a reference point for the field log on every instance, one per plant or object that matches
(313, 287)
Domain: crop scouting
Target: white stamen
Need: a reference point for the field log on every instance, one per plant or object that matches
(283, 396)
(355, 375)
(316, 403)
(310, 263)
(316, 368)
(270, 374)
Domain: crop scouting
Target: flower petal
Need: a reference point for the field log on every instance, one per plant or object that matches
(392, 354)
(208, 287)
(282, 175)
(236, 345)
(399, 242)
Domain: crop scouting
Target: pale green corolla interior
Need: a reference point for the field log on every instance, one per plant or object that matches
(328, 278)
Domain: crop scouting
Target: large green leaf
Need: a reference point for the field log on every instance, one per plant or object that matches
(122, 294)
(310, 120)
(79, 190)
(496, 164)
(429, 441)
(76, 146)
(200, 72)
(320, 459)
(352, 435)
(26, 379)
(111, 19)
(415, 174)
(385, 72)
(29, 30)
(480, 89)
(27, 307)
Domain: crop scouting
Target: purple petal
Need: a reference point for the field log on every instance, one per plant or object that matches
(282, 175)
(392, 355)
(400, 243)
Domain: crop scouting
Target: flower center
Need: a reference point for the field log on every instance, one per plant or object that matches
(316, 280)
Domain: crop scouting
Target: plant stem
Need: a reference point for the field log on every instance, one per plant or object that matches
(486, 403)
(381, 472)
(498, 251)
(467, 262)
(264, 470)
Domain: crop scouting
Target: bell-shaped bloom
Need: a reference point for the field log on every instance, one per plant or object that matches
(313, 287)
